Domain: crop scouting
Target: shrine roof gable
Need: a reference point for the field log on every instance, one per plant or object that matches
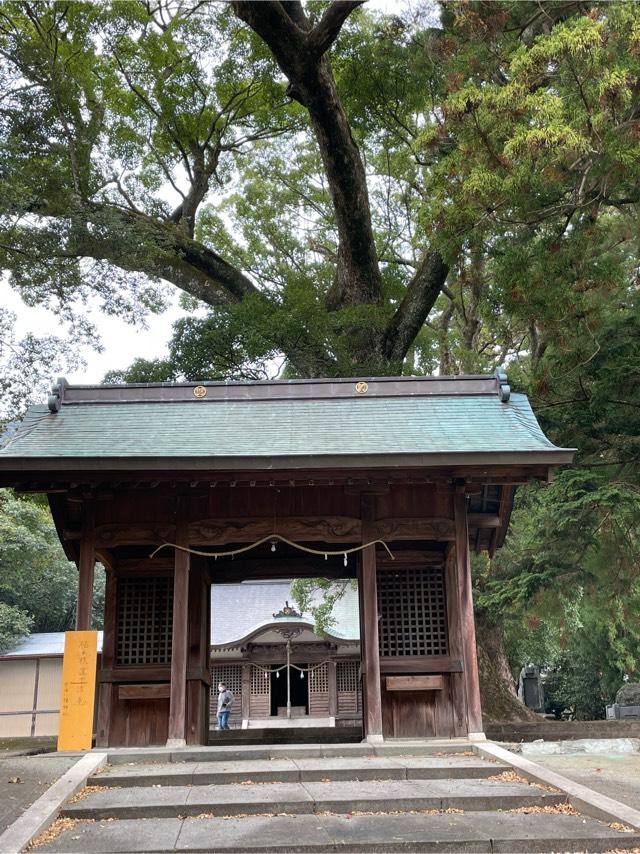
(377, 422)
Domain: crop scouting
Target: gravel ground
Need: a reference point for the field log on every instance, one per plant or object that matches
(614, 774)
(24, 778)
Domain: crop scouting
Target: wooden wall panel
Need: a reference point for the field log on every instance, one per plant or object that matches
(419, 714)
(319, 705)
(156, 507)
(419, 501)
(416, 614)
(260, 706)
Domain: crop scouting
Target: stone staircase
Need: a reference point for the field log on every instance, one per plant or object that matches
(322, 798)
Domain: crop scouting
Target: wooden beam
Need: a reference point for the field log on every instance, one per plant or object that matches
(417, 528)
(421, 664)
(483, 520)
(179, 646)
(86, 565)
(465, 605)
(414, 683)
(152, 691)
(213, 533)
(368, 590)
(220, 531)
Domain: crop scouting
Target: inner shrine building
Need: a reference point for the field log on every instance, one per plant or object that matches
(176, 487)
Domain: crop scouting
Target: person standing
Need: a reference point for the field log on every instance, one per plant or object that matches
(225, 702)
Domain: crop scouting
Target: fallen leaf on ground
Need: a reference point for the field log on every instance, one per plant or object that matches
(54, 830)
(88, 790)
(562, 809)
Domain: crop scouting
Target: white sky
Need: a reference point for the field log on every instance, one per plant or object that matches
(121, 342)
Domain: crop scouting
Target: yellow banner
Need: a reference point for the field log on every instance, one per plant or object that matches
(78, 690)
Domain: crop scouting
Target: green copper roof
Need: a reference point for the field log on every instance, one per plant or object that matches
(419, 426)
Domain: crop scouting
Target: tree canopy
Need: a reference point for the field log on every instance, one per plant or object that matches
(38, 585)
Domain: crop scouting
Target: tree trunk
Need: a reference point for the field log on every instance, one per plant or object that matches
(497, 688)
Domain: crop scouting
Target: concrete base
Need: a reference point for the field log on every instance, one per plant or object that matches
(477, 736)
(289, 723)
(176, 743)
(374, 739)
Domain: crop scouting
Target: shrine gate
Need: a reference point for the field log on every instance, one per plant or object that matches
(392, 481)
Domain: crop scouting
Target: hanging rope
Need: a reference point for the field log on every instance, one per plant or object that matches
(271, 538)
(307, 669)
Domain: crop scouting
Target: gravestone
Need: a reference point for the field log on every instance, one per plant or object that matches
(627, 703)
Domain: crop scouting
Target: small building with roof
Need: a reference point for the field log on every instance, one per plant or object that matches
(177, 487)
(251, 624)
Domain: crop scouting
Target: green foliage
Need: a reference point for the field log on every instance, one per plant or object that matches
(14, 625)
(35, 576)
(318, 597)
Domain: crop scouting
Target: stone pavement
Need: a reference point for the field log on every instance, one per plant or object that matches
(441, 832)
(614, 774)
(35, 775)
(315, 799)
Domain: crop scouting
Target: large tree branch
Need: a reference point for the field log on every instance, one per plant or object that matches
(300, 55)
(137, 243)
(421, 294)
(327, 30)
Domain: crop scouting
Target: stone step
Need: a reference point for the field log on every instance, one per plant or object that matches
(275, 733)
(297, 770)
(295, 798)
(480, 832)
(433, 747)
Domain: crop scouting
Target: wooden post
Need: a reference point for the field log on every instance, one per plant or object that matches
(107, 661)
(246, 694)
(467, 622)
(179, 642)
(372, 718)
(332, 685)
(457, 688)
(86, 564)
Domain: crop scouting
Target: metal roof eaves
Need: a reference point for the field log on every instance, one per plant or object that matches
(33, 416)
(422, 459)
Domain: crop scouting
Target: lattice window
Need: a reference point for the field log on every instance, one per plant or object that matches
(319, 680)
(347, 675)
(230, 675)
(145, 614)
(260, 681)
(413, 612)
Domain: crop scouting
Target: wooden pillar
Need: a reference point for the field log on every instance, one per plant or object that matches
(86, 565)
(332, 685)
(179, 643)
(372, 717)
(246, 694)
(467, 622)
(457, 688)
(107, 661)
(198, 656)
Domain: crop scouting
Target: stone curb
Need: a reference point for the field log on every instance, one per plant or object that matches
(45, 810)
(581, 797)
